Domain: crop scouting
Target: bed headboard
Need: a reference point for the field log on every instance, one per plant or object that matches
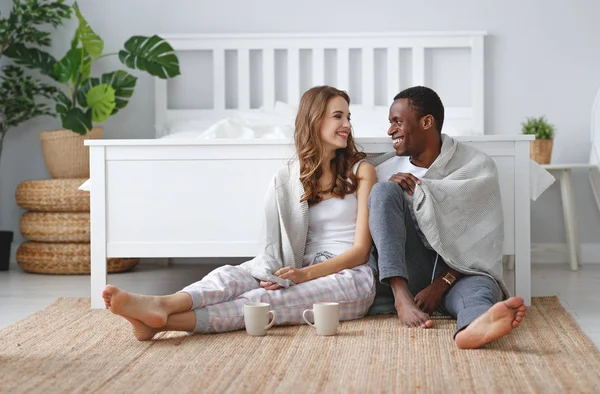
(372, 67)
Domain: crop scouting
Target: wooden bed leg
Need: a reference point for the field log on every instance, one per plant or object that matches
(98, 225)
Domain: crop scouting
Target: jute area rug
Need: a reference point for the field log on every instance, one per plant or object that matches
(68, 347)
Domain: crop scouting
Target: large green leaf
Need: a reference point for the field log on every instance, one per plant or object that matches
(120, 80)
(84, 89)
(151, 54)
(124, 84)
(71, 65)
(31, 58)
(101, 99)
(63, 104)
(77, 120)
(92, 43)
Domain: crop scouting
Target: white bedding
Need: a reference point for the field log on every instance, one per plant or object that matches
(276, 122)
(273, 123)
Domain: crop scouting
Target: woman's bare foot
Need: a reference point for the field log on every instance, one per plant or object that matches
(146, 309)
(409, 313)
(498, 321)
(141, 331)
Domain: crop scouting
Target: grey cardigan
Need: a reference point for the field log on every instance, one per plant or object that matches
(286, 227)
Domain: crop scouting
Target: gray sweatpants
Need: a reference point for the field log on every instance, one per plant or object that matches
(402, 253)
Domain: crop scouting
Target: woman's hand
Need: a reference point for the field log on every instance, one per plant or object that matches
(269, 285)
(294, 274)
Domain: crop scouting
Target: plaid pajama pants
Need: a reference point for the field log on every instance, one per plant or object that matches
(219, 298)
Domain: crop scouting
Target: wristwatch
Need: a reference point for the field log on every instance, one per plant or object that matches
(449, 278)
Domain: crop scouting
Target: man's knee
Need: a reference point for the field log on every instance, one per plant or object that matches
(384, 193)
(478, 289)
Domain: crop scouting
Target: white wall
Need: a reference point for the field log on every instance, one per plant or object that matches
(535, 65)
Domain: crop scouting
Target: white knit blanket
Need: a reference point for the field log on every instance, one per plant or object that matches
(286, 227)
(459, 210)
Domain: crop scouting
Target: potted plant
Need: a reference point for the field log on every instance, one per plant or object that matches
(86, 100)
(541, 147)
(21, 95)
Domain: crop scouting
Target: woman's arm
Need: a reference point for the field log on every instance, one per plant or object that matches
(359, 253)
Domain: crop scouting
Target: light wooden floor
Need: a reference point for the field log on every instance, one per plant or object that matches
(22, 294)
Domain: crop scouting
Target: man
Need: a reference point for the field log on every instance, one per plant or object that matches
(436, 221)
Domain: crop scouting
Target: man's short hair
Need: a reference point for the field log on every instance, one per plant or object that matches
(424, 101)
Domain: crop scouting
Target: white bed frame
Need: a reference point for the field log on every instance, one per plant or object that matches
(168, 198)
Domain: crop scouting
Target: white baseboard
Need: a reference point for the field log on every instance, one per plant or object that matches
(590, 253)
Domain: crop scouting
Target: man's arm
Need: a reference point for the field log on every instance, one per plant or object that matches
(429, 299)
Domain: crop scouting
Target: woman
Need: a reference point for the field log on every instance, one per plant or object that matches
(317, 239)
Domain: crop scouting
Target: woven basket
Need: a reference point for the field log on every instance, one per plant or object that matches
(61, 259)
(56, 227)
(65, 154)
(541, 151)
(53, 195)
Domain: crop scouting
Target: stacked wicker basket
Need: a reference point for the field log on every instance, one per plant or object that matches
(57, 228)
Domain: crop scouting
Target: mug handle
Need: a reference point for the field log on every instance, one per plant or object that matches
(304, 317)
(273, 315)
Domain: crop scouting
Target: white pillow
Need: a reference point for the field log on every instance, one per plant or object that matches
(188, 125)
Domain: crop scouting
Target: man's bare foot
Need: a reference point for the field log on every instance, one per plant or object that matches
(146, 309)
(409, 313)
(498, 321)
(141, 331)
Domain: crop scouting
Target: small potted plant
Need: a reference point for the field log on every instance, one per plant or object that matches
(22, 95)
(541, 147)
(85, 100)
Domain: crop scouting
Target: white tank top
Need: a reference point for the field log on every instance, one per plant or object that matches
(331, 225)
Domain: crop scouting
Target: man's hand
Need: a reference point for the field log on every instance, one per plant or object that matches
(294, 274)
(429, 299)
(269, 285)
(408, 182)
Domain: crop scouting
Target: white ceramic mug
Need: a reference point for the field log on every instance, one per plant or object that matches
(326, 316)
(256, 318)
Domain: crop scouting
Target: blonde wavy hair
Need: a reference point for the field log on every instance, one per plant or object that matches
(309, 147)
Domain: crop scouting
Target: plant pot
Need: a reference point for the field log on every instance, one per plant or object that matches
(6, 238)
(541, 151)
(64, 152)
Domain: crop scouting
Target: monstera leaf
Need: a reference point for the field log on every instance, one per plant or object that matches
(78, 121)
(92, 43)
(101, 100)
(122, 82)
(74, 119)
(31, 58)
(72, 65)
(63, 104)
(151, 54)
